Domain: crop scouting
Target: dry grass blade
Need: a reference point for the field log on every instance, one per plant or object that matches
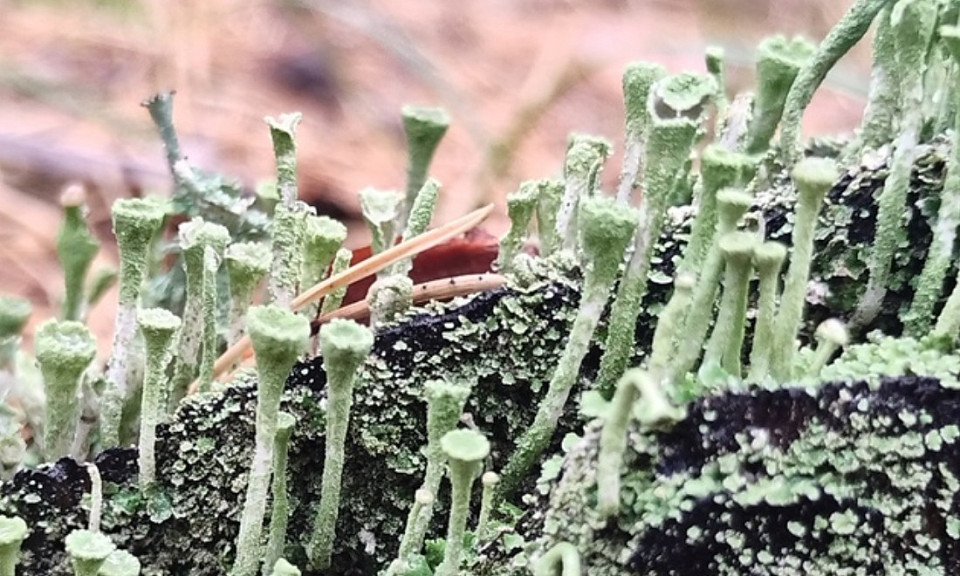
(442, 289)
(371, 265)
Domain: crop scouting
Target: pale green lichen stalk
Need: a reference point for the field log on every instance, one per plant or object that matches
(289, 215)
(714, 57)
(638, 81)
(726, 340)
(667, 333)
(838, 42)
(778, 62)
(96, 497)
(419, 219)
(380, 210)
(585, 157)
(548, 206)
(813, 177)
(675, 106)
(520, 208)
(719, 168)
(465, 451)
(159, 328)
(323, 236)
(247, 264)
(278, 336)
(424, 127)
(13, 531)
(389, 298)
(208, 350)
(639, 395)
(135, 222)
(913, 25)
(883, 101)
(14, 313)
(613, 441)
(344, 345)
(445, 404)
(606, 227)
(489, 481)
(280, 509)
(768, 259)
(731, 205)
(919, 318)
(196, 237)
(76, 248)
(88, 551)
(333, 300)
(64, 351)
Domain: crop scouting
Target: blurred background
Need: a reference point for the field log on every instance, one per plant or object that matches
(516, 76)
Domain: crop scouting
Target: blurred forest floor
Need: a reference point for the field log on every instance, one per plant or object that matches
(516, 76)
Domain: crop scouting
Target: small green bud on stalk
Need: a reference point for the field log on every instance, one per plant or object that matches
(278, 336)
(159, 328)
(88, 551)
(489, 481)
(135, 222)
(64, 351)
(466, 451)
(520, 208)
(76, 248)
(344, 345)
(832, 335)
(13, 531)
(638, 395)
(247, 264)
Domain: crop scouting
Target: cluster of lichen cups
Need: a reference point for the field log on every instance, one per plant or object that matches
(698, 347)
